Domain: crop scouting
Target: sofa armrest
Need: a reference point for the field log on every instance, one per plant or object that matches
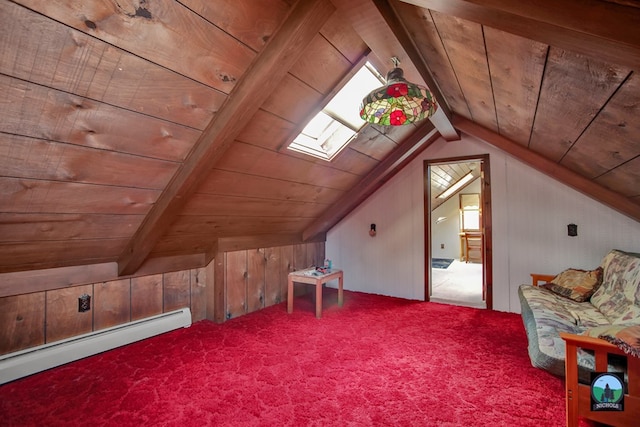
(578, 396)
(536, 278)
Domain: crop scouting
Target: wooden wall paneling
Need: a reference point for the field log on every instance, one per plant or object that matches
(167, 28)
(464, 43)
(16, 227)
(217, 295)
(66, 117)
(517, 65)
(62, 317)
(266, 130)
(230, 226)
(204, 204)
(146, 296)
(65, 59)
(284, 48)
(21, 322)
(251, 25)
(624, 179)
(339, 32)
(300, 260)
(198, 294)
(23, 157)
(176, 289)
(287, 265)
(371, 142)
(34, 196)
(273, 276)
(236, 283)
(563, 115)
(221, 182)
(293, 100)
(111, 303)
(616, 124)
(181, 245)
(354, 161)
(256, 277)
(245, 158)
(17, 256)
(420, 25)
(163, 264)
(322, 66)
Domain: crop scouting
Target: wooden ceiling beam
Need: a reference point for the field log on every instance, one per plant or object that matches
(566, 176)
(377, 23)
(596, 28)
(418, 141)
(282, 51)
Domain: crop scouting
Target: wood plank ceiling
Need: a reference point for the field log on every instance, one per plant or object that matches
(156, 131)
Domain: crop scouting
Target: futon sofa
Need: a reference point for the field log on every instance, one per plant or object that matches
(602, 303)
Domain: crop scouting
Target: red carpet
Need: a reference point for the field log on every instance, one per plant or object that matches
(378, 361)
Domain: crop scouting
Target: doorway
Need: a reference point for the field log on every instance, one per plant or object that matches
(458, 264)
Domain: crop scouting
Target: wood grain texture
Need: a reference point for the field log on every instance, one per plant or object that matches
(563, 114)
(273, 276)
(146, 296)
(111, 303)
(255, 279)
(464, 44)
(517, 66)
(198, 294)
(63, 319)
(162, 31)
(617, 124)
(65, 117)
(22, 322)
(235, 282)
(282, 51)
(62, 58)
(176, 290)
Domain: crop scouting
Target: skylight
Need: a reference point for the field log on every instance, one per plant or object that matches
(333, 127)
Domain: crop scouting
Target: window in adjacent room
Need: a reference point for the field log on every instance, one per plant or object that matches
(339, 121)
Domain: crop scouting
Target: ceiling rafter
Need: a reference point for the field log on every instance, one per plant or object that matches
(272, 64)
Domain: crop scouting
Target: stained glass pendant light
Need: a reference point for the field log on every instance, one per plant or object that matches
(398, 102)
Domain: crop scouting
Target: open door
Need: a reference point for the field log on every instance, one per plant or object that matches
(458, 268)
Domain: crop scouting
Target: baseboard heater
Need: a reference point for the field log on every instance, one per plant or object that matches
(32, 360)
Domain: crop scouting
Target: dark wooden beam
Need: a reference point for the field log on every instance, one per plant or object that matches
(596, 28)
(424, 136)
(566, 176)
(281, 52)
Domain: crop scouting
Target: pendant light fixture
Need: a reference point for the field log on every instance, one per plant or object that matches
(398, 102)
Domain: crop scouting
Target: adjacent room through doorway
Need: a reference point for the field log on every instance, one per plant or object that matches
(457, 213)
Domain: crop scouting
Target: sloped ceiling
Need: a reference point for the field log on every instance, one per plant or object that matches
(155, 132)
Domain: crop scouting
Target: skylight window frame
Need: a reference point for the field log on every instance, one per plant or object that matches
(319, 152)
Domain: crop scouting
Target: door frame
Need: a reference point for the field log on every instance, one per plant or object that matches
(485, 195)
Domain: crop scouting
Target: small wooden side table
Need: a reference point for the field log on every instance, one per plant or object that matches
(308, 276)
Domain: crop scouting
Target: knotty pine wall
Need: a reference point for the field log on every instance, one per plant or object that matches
(252, 280)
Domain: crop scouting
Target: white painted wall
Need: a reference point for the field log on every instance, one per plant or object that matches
(530, 216)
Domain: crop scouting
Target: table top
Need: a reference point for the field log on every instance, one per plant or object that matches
(312, 272)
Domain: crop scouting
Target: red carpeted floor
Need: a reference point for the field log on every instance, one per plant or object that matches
(378, 361)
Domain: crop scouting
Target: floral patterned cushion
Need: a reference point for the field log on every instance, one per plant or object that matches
(618, 298)
(576, 284)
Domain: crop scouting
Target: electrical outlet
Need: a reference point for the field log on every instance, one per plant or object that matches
(84, 303)
(441, 245)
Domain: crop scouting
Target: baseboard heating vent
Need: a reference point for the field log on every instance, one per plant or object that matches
(36, 359)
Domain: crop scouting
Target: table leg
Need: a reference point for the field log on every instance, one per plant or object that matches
(340, 280)
(290, 295)
(318, 299)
